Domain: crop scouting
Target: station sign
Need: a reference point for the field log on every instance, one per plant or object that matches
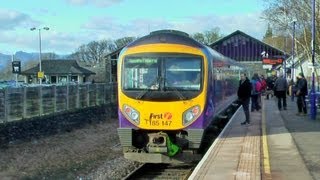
(267, 66)
(40, 74)
(272, 61)
(16, 67)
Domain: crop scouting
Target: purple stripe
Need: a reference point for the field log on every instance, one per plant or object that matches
(123, 122)
(197, 123)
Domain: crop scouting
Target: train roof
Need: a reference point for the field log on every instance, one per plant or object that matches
(179, 37)
(167, 36)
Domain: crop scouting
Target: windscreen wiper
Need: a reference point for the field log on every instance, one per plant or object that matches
(181, 97)
(147, 89)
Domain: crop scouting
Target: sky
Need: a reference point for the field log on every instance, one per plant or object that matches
(73, 23)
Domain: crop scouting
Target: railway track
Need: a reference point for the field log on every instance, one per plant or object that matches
(183, 171)
(162, 171)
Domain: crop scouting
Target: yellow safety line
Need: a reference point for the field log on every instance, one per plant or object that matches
(266, 161)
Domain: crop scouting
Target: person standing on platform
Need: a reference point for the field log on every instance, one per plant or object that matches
(255, 92)
(263, 84)
(270, 85)
(301, 92)
(280, 90)
(244, 93)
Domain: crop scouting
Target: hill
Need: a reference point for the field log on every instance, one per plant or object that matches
(24, 57)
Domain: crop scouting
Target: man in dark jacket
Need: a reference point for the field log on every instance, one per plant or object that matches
(302, 91)
(244, 93)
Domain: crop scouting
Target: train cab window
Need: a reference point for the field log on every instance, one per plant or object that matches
(183, 73)
(140, 73)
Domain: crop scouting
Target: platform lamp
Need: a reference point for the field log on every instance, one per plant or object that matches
(313, 110)
(284, 57)
(40, 73)
(292, 50)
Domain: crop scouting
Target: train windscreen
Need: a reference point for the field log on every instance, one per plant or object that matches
(183, 73)
(162, 72)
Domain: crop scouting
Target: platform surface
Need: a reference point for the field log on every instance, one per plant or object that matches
(277, 145)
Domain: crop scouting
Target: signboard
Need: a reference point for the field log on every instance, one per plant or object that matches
(267, 66)
(16, 67)
(272, 61)
(220, 64)
(40, 74)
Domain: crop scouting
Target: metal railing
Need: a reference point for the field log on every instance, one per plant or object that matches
(27, 102)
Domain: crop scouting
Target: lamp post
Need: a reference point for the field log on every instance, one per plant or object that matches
(313, 110)
(40, 73)
(293, 43)
(284, 58)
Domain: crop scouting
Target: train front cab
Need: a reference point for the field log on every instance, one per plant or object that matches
(176, 119)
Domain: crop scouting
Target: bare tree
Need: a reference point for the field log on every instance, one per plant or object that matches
(212, 35)
(209, 36)
(281, 14)
(93, 52)
(268, 32)
(282, 42)
(199, 37)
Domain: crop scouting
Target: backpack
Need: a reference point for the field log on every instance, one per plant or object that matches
(263, 84)
(258, 86)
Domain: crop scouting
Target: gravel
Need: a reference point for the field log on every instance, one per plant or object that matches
(90, 151)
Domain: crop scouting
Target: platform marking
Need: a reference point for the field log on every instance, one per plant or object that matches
(266, 161)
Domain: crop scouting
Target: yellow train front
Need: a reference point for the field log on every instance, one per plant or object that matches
(169, 89)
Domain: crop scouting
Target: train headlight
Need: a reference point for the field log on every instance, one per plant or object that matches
(132, 114)
(191, 114)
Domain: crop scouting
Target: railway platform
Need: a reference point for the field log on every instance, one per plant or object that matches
(276, 145)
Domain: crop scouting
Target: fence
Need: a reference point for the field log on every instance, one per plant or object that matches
(28, 102)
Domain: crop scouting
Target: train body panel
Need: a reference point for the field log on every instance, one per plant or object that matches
(161, 115)
(169, 89)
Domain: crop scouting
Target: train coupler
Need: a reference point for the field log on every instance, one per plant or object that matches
(161, 143)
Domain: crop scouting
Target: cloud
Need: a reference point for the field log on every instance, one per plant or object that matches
(98, 3)
(113, 28)
(106, 27)
(10, 20)
(248, 23)
(62, 43)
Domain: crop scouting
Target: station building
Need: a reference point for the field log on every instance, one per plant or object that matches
(58, 72)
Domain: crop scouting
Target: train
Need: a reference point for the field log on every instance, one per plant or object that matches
(170, 89)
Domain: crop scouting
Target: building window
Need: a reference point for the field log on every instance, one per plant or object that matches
(62, 79)
(53, 79)
(74, 78)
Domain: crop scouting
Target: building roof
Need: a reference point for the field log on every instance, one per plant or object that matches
(242, 47)
(52, 67)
